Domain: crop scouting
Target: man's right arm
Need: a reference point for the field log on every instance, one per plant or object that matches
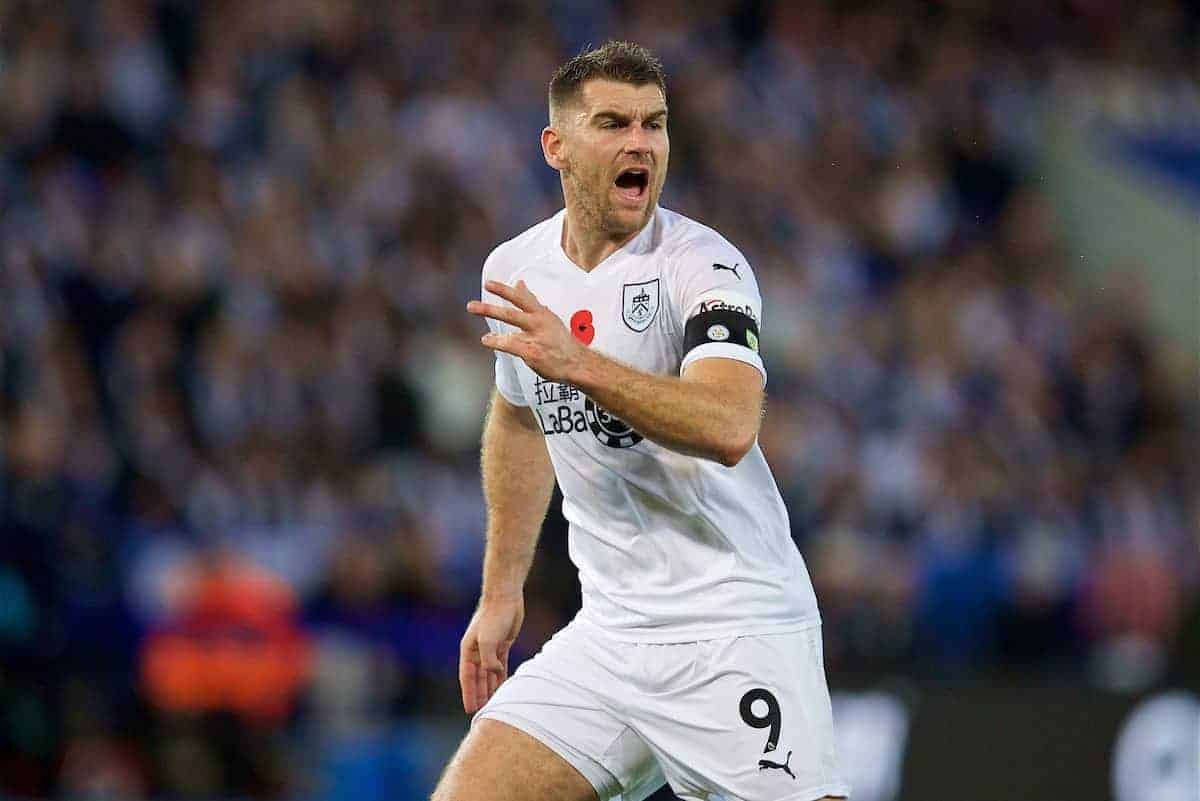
(518, 480)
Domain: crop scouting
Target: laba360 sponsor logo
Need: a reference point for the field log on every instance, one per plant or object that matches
(558, 412)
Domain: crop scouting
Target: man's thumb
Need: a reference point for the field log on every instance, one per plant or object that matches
(488, 658)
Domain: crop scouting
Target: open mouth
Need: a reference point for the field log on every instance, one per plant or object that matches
(632, 183)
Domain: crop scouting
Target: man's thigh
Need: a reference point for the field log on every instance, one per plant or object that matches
(497, 762)
(555, 700)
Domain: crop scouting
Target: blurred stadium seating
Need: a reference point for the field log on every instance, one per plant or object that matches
(241, 522)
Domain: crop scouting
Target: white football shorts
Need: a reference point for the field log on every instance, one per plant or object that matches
(734, 719)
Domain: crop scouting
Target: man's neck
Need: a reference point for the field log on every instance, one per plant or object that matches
(587, 247)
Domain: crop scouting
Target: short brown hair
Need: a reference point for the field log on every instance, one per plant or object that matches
(625, 62)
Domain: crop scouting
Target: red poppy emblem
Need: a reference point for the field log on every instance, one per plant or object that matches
(581, 326)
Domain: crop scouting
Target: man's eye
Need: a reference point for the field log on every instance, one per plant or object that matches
(654, 126)
(610, 124)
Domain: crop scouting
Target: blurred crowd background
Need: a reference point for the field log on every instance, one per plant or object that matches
(241, 400)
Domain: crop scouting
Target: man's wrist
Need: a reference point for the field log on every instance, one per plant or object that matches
(501, 595)
(584, 374)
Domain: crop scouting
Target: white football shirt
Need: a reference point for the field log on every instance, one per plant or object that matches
(670, 548)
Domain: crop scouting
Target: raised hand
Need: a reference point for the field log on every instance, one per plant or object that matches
(542, 340)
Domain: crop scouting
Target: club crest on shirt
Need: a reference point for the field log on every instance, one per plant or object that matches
(639, 304)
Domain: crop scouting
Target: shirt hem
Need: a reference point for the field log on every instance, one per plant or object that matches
(680, 635)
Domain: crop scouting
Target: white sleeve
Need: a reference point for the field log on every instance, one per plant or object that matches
(719, 305)
(507, 381)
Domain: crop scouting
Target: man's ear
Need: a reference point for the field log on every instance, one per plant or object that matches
(552, 148)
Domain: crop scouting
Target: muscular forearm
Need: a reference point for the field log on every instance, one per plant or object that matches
(517, 482)
(712, 412)
(690, 416)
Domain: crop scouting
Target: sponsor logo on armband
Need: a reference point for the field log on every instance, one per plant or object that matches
(725, 300)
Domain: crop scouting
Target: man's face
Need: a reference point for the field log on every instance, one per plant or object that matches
(615, 151)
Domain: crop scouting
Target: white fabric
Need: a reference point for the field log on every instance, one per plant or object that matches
(670, 548)
(631, 716)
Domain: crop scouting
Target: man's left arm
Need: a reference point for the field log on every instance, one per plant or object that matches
(712, 411)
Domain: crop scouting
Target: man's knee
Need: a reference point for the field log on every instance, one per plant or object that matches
(497, 762)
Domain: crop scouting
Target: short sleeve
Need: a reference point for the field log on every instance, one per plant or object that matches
(508, 383)
(719, 305)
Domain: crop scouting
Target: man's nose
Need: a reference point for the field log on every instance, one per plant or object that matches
(638, 140)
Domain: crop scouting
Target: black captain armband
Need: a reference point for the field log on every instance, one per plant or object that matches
(720, 325)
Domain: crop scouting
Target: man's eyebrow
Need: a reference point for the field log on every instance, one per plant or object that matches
(611, 114)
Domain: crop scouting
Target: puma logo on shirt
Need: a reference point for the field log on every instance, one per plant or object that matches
(732, 269)
(766, 763)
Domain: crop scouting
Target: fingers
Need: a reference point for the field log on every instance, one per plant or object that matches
(481, 688)
(495, 667)
(489, 657)
(527, 293)
(503, 342)
(502, 313)
(503, 665)
(519, 295)
(468, 679)
(481, 671)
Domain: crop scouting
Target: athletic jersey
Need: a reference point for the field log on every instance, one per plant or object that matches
(670, 548)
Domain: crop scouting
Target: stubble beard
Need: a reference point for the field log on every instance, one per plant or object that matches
(591, 194)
